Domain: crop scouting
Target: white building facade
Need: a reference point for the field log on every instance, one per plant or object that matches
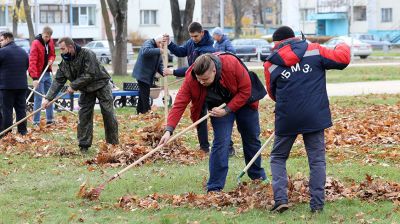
(341, 17)
(150, 18)
(82, 19)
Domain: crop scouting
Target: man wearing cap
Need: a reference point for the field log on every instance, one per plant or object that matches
(222, 42)
(295, 75)
(149, 62)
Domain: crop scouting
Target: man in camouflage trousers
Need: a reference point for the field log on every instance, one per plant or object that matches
(86, 74)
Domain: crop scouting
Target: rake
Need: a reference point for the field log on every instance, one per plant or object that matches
(95, 193)
(31, 114)
(254, 158)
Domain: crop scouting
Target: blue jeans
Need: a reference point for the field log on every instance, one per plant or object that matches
(247, 121)
(43, 87)
(315, 147)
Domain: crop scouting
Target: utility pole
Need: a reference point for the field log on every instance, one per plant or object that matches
(221, 14)
(63, 16)
(37, 17)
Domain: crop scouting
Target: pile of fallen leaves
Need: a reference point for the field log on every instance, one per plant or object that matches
(374, 125)
(258, 195)
(131, 149)
(35, 145)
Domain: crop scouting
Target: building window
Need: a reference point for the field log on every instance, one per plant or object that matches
(148, 17)
(386, 15)
(360, 13)
(305, 13)
(268, 10)
(3, 17)
(84, 16)
(53, 14)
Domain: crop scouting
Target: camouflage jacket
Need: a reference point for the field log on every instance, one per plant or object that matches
(85, 73)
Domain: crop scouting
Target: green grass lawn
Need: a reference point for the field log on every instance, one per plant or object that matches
(43, 190)
(351, 74)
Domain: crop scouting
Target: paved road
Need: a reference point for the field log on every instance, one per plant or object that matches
(340, 89)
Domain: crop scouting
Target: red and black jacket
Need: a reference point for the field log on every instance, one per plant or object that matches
(296, 79)
(234, 77)
(37, 61)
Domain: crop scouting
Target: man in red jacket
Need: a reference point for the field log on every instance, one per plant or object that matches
(215, 80)
(42, 54)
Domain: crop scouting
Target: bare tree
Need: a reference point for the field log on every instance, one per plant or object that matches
(27, 10)
(238, 13)
(16, 16)
(179, 28)
(107, 24)
(118, 9)
(260, 11)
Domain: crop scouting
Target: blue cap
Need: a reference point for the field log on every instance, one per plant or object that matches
(217, 31)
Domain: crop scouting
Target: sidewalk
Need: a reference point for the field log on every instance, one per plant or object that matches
(336, 89)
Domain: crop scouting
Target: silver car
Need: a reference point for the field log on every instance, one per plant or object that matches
(102, 50)
(359, 48)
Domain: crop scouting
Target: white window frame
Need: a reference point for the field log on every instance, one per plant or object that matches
(82, 17)
(386, 15)
(150, 21)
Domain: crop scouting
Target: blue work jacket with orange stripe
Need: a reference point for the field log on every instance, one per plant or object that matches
(295, 75)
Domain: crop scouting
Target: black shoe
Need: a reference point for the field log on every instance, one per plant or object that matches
(232, 152)
(279, 207)
(83, 149)
(317, 210)
(49, 122)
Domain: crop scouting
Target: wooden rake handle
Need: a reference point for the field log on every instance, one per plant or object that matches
(160, 146)
(256, 155)
(59, 105)
(31, 114)
(40, 78)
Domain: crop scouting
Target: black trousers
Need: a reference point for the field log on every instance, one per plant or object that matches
(143, 104)
(13, 99)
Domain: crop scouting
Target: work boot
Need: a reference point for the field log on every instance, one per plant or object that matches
(83, 149)
(232, 151)
(317, 210)
(279, 207)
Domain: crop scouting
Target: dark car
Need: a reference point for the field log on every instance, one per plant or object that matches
(251, 48)
(24, 44)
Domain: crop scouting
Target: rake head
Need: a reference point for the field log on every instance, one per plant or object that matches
(92, 194)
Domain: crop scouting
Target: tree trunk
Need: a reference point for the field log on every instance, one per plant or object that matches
(16, 17)
(107, 24)
(119, 9)
(260, 11)
(179, 27)
(238, 14)
(27, 9)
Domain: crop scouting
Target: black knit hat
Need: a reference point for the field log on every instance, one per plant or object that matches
(282, 33)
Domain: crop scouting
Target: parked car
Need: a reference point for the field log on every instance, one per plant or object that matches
(24, 44)
(102, 50)
(359, 48)
(250, 48)
(375, 43)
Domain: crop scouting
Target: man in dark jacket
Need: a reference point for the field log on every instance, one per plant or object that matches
(149, 62)
(13, 82)
(214, 80)
(86, 74)
(200, 42)
(295, 77)
(222, 42)
(42, 54)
